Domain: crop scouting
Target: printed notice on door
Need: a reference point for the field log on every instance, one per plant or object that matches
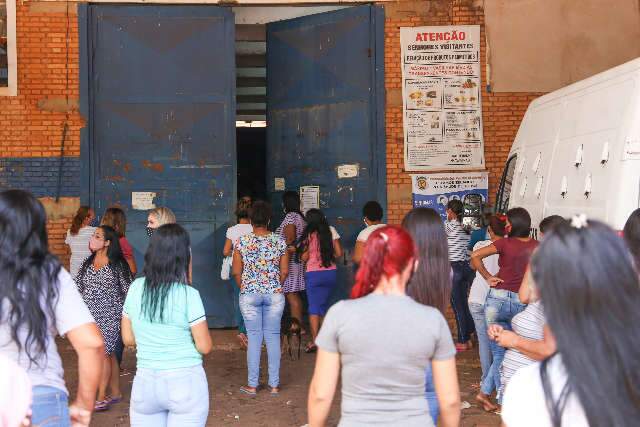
(441, 94)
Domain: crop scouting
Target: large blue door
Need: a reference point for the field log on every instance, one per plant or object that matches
(325, 114)
(158, 88)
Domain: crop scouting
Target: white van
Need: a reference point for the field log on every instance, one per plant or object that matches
(578, 151)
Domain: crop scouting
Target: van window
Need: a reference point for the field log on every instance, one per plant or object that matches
(504, 190)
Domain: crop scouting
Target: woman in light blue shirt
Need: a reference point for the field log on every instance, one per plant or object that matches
(165, 319)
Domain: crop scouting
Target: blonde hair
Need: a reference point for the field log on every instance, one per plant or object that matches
(163, 215)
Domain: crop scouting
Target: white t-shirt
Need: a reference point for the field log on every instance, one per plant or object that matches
(70, 312)
(237, 231)
(364, 234)
(524, 403)
(334, 233)
(79, 245)
(480, 287)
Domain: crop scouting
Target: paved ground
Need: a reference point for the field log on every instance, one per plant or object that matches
(226, 370)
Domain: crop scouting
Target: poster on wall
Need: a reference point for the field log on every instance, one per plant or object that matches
(442, 110)
(436, 190)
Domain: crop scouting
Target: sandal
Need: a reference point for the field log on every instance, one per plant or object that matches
(311, 348)
(251, 391)
(463, 346)
(244, 341)
(112, 400)
(274, 391)
(101, 405)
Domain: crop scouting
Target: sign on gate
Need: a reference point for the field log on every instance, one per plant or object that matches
(436, 190)
(441, 95)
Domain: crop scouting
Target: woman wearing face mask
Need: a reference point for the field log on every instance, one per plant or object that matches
(158, 217)
(78, 238)
(103, 282)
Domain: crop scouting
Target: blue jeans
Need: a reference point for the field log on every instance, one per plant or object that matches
(262, 316)
(432, 398)
(236, 307)
(477, 312)
(50, 407)
(463, 276)
(172, 398)
(499, 308)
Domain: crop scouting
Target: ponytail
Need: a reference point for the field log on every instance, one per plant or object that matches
(387, 252)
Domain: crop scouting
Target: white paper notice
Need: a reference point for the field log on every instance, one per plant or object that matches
(441, 98)
(309, 198)
(348, 171)
(143, 200)
(278, 184)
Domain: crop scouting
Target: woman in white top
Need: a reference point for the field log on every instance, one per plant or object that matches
(590, 290)
(242, 228)
(477, 297)
(78, 237)
(372, 213)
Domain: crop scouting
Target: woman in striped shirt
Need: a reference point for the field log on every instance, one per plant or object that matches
(458, 240)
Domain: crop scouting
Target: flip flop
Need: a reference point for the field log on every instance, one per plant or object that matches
(113, 400)
(101, 406)
(274, 391)
(247, 391)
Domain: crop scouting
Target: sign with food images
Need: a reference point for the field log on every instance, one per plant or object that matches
(442, 111)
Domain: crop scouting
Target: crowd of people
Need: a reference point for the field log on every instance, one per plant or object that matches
(555, 319)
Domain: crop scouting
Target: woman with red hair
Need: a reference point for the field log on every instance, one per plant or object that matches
(383, 360)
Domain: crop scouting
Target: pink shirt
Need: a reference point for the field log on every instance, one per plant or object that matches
(127, 250)
(315, 258)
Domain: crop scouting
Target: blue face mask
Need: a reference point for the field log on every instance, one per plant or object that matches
(94, 222)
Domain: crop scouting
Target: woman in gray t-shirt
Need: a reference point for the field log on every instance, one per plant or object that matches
(383, 360)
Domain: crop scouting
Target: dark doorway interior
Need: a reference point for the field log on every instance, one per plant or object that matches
(251, 153)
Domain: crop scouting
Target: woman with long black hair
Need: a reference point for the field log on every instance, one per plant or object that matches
(38, 300)
(103, 282)
(291, 230)
(431, 282)
(590, 291)
(319, 247)
(164, 319)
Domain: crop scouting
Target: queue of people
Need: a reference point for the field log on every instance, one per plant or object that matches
(537, 311)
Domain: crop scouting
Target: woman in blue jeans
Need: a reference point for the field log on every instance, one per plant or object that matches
(39, 300)
(260, 265)
(234, 233)
(503, 302)
(164, 319)
(431, 282)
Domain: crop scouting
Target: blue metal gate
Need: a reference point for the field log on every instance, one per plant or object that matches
(325, 113)
(158, 90)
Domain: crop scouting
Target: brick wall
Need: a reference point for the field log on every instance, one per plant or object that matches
(31, 124)
(502, 112)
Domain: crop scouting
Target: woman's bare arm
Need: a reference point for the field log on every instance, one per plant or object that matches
(236, 268)
(323, 387)
(445, 379)
(88, 344)
(228, 247)
(337, 248)
(478, 265)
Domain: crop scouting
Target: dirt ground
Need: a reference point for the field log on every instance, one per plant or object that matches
(226, 371)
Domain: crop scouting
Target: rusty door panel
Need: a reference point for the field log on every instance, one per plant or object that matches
(161, 83)
(325, 109)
